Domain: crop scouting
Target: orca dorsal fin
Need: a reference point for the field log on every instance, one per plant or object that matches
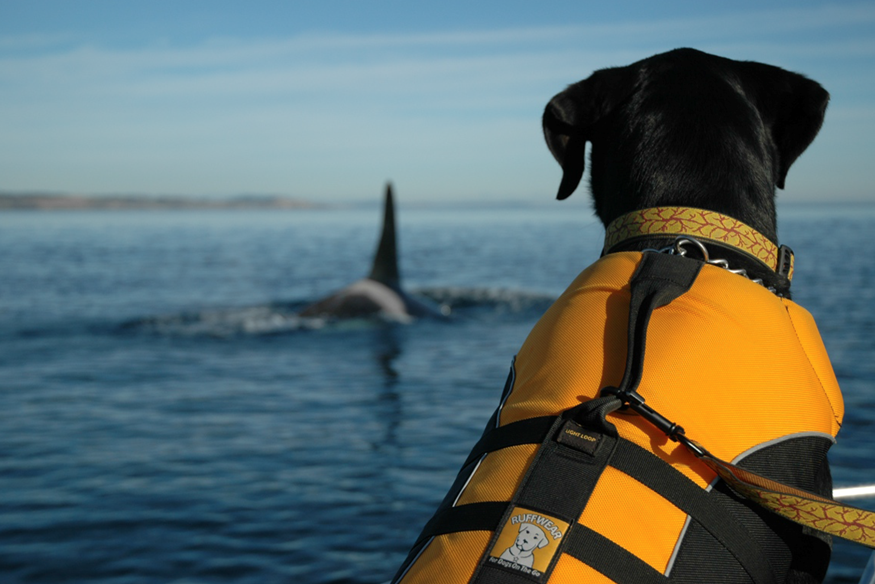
(385, 268)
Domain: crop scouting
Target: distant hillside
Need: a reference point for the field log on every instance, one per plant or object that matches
(57, 202)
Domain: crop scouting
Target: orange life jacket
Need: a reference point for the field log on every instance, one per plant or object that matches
(743, 370)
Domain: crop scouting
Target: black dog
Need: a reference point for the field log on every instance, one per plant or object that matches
(679, 139)
(690, 129)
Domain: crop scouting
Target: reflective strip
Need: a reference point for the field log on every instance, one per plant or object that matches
(471, 476)
(769, 443)
(412, 562)
(508, 389)
(820, 513)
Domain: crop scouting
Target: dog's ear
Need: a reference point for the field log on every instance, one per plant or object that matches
(570, 116)
(796, 105)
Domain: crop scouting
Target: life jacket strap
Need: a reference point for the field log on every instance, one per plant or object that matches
(811, 510)
(659, 279)
(573, 453)
(565, 459)
(530, 431)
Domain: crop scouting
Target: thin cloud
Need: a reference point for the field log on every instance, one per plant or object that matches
(244, 114)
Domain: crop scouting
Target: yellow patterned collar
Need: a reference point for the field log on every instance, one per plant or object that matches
(701, 224)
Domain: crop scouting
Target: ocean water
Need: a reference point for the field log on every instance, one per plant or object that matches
(165, 416)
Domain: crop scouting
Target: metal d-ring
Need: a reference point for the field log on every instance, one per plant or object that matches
(677, 248)
(681, 241)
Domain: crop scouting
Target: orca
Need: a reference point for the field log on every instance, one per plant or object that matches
(380, 293)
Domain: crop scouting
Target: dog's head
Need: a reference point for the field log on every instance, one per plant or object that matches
(685, 128)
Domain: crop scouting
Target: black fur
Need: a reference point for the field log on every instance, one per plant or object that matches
(685, 128)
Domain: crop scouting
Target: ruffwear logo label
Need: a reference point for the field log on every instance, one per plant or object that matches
(527, 542)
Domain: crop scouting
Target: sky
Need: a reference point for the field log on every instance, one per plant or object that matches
(327, 99)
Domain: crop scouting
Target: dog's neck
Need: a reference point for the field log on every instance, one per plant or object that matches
(723, 238)
(758, 212)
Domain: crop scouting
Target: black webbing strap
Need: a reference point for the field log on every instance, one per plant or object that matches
(473, 517)
(557, 484)
(555, 488)
(659, 476)
(479, 516)
(502, 577)
(659, 279)
(549, 485)
(531, 431)
(561, 479)
(597, 551)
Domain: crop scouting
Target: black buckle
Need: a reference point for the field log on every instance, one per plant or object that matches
(635, 401)
(785, 261)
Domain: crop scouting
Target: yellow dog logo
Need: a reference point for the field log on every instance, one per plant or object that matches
(528, 541)
(522, 551)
